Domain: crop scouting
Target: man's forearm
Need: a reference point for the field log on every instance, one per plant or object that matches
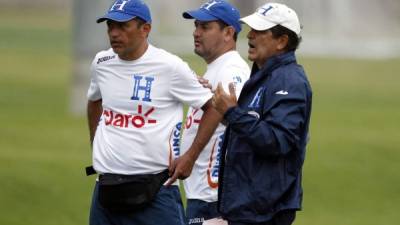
(94, 111)
(181, 168)
(209, 123)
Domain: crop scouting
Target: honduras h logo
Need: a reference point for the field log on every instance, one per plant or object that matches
(210, 4)
(138, 86)
(255, 103)
(119, 5)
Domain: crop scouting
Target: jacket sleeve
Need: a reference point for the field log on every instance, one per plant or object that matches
(279, 129)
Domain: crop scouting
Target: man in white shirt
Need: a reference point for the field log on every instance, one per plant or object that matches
(216, 28)
(135, 110)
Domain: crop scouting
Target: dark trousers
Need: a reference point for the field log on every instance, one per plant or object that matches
(197, 211)
(285, 217)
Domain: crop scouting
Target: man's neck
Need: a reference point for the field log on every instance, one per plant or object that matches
(212, 59)
(136, 54)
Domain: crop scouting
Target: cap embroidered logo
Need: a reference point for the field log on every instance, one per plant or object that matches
(208, 5)
(265, 10)
(121, 5)
(216, 10)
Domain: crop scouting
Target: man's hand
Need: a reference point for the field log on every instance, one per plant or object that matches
(204, 82)
(181, 168)
(222, 101)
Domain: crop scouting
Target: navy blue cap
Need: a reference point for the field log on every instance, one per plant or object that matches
(125, 10)
(216, 10)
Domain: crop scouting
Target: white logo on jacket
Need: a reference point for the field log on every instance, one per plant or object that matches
(254, 113)
(281, 92)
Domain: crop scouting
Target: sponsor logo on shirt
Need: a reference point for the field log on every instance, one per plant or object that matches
(138, 120)
(213, 163)
(174, 142)
(191, 119)
(105, 58)
(237, 80)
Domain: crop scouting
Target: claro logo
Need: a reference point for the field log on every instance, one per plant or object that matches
(124, 120)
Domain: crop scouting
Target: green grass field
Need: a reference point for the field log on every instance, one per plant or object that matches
(351, 174)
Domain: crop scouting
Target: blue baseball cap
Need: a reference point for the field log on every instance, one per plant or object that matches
(216, 10)
(125, 10)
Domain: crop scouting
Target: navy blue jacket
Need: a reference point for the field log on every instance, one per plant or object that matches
(264, 144)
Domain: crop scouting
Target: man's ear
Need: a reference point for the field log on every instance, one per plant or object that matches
(282, 42)
(146, 28)
(229, 33)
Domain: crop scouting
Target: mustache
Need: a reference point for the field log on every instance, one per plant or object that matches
(115, 42)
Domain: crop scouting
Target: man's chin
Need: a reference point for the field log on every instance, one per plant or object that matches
(116, 50)
(198, 52)
(251, 57)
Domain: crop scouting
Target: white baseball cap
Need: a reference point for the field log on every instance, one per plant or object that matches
(272, 14)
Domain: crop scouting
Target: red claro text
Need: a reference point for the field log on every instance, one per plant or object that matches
(191, 120)
(139, 120)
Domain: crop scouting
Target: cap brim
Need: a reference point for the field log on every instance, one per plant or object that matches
(199, 15)
(257, 23)
(116, 16)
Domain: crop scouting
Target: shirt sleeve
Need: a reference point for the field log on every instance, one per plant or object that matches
(93, 93)
(231, 74)
(186, 88)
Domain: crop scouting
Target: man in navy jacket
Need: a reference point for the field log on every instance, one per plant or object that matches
(267, 127)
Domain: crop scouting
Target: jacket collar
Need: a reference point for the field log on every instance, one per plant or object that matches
(275, 62)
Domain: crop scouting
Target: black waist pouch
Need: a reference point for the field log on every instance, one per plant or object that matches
(128, 193)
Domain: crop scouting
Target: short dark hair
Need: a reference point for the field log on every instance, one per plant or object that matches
(294, 40)
(140, 21)
(222, 25)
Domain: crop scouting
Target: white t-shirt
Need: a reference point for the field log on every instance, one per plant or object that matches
(139, 130)
(203, 182)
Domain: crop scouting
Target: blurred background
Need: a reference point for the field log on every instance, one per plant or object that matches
(350, 50)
